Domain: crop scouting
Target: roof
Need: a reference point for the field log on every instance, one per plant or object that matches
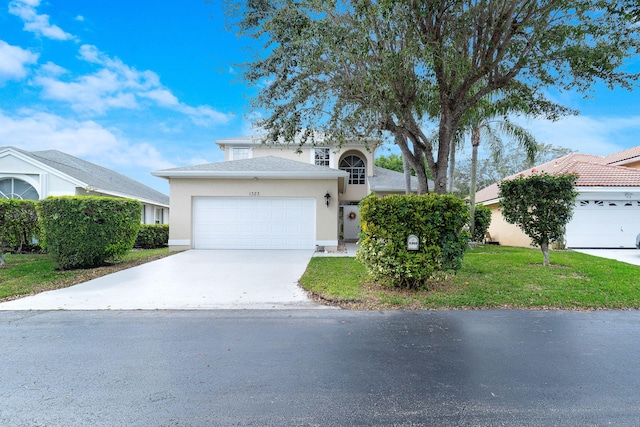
(593, 171)
(269, 167)
(386, 180)
(624, 156)
(98, 178)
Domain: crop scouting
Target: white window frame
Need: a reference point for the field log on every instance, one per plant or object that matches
(240, 153)
(357, 174)
(326, 150)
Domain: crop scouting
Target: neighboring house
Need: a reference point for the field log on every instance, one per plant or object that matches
(36, 175)
(607, 209)
(275, 196)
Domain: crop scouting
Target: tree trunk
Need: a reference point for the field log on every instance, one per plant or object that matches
(416, 161)
(445, 136)
(3, 263)
(452, 168)
(475, 142)
(407, 174)
(544, 246)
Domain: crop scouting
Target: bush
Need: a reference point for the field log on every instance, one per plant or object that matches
(482, 221)
(386, 222)
(18, 223)
(152, 236)
(84, 232)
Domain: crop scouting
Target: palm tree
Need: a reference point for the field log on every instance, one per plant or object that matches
(492, 128)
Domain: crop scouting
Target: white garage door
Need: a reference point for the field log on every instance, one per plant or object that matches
(254, 223)
(604, 224)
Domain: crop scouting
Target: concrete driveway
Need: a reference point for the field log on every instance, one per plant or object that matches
(630, 256)
(253, 279)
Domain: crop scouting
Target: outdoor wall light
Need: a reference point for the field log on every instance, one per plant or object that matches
(327, 197)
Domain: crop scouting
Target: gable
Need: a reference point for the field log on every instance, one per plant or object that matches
(53, 173)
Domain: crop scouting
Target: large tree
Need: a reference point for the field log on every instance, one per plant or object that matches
(365, 67)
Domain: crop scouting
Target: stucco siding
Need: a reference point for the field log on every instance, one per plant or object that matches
(503, 232)
(184, 190)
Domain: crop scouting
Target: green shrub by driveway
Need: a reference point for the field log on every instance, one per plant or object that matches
(85, 232)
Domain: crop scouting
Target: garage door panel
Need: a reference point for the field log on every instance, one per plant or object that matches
(254, 223)
(604, 225)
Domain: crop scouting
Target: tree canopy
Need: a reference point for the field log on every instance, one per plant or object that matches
(362, 68)
(508, 159)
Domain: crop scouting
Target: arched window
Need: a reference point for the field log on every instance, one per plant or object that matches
(12, 188)
(356, 168)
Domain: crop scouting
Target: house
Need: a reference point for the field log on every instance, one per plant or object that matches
(275, 196)
(607, 209)
(36, 175)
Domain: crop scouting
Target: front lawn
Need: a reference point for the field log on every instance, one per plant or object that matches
(31, 274)
(492, 277)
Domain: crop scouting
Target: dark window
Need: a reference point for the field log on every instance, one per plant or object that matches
(11, 188)
(322, 156)
(356, 168)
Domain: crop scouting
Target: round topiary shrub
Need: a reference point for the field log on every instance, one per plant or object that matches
(84, 232)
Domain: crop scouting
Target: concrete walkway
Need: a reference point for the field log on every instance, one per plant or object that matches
(630, 256)
(253, 279)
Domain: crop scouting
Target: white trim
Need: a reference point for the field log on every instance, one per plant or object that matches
(179, 242)
(328, 174)
(10, 152)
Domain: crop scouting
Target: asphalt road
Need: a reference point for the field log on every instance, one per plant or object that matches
(319, 368)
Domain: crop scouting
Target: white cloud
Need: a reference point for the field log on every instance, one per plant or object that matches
(33, 130)
(14, 61)
(95, 93)
(589, 135)
(163, 97)
(117, 85)
(37, 23)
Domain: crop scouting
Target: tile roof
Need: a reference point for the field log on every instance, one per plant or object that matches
(593, 171)
(631, 153)
(102, 179)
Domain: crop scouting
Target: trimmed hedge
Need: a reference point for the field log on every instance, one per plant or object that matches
(152, 236)
(18, 224)
(386, 223)
(84, 232)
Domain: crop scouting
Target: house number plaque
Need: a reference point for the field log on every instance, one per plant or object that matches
(413, 243)
(254, 193)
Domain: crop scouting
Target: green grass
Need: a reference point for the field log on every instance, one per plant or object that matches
(31, 274)
(492, 277)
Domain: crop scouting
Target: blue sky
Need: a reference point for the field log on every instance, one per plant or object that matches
(142, 85)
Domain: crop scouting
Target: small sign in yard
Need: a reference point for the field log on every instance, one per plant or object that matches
(413, 243)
